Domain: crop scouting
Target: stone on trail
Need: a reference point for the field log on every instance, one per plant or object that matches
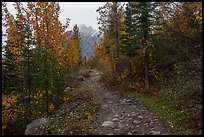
(104, 106)
(108, 124)
(81, 78)
(110, 102)
(137, 122)
(122, 117)
(116, 115)
(151, 123)
(140, 117)
(97, 73)
(133, 114)
(154, 133)
(128, 100)
(115, 119)
(116, 129)
(31, 128)
(121, 126)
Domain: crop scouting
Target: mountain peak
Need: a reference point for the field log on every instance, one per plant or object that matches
(89, 37)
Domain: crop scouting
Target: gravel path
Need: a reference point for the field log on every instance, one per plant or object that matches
(121, 116)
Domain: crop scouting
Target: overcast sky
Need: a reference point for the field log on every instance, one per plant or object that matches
(78, 12)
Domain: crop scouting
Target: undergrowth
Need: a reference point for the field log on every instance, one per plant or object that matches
(76, 115)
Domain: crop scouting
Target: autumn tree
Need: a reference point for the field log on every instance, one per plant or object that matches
(36, 25)
(35, 59)
(49, 38)
(110, 21)
(72, 50)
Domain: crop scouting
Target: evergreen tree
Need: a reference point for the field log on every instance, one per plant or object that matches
(139, 19)
(129, 37)
(76, 36)
(14, 49)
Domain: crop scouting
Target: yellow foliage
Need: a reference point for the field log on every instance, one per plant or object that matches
(124, 75)
(65, 98)
(72, 54)
(3, 126)
(10, 109)
(198, 13)
(51, 107)
(177, 69)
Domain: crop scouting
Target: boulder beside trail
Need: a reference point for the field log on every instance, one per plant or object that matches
(31, 128)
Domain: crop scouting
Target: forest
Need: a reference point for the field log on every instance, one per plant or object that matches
(149, 51)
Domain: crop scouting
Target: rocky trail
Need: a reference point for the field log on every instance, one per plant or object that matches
(121, 116)
(115, 115)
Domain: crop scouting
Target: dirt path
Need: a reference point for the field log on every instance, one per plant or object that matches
(121, 116)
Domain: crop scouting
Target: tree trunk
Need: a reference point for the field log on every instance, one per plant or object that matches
(29, 84)
(130, 68)
(146, 71)
(186, 47)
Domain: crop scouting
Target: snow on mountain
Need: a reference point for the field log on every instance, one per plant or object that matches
(89, 37)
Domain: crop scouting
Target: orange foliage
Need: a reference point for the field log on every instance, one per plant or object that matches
(10, 109)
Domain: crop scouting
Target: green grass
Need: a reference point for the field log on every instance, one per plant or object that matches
(165, 111)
